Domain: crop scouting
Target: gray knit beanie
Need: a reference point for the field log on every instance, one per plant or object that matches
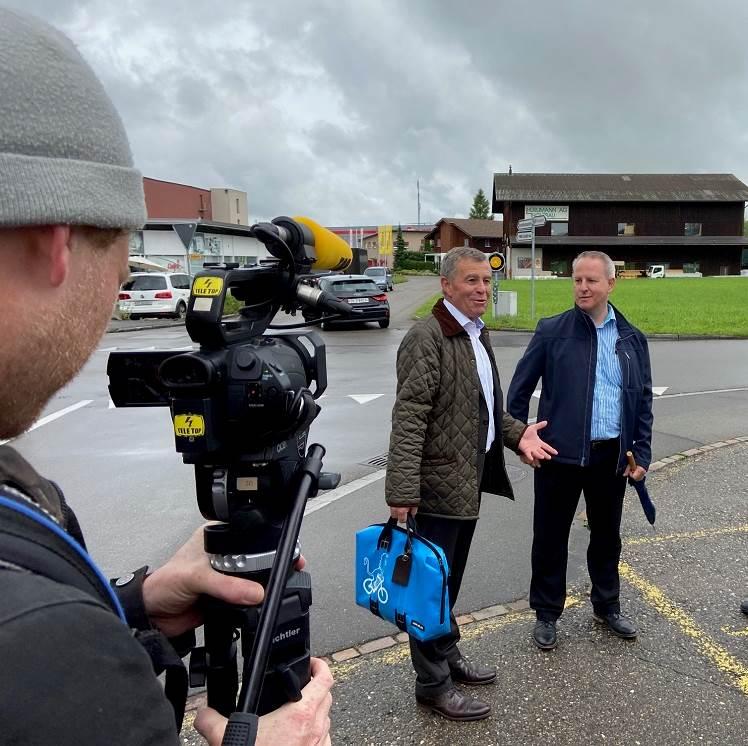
(64, 155)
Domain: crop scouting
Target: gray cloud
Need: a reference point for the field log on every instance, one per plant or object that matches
(335, 108)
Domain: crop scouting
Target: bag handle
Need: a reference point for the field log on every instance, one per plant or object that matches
(411, 530)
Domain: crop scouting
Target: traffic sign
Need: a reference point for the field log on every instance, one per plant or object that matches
(496, 261)
(524, 236)
(527, 224)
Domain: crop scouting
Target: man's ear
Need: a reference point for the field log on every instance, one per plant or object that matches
(445, 286)
(58, 253)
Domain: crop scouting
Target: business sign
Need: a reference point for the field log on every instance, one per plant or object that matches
(550, 212)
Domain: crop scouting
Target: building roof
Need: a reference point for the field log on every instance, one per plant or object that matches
(474, 228)
(593, 241)
(202, 226)
(618, 188)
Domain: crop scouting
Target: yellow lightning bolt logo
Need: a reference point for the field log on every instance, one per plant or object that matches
(207, 287)
(189, 425)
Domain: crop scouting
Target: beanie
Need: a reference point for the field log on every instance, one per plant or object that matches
(64, 155)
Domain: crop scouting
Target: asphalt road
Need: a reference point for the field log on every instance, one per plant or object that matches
(137, 503)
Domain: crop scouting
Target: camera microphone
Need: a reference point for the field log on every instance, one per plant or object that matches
(312, 246)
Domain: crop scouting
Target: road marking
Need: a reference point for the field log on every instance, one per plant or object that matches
(713, 652)
(325, 498)
(364, 398)
(705, 534)
(55, 416)
(735, 632)
(702, 393)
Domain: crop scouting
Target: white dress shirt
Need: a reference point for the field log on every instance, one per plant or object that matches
(483, 363)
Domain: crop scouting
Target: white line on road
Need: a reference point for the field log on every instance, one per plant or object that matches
(364, 398)
(325, 498)
(702, 393)
(55, 416)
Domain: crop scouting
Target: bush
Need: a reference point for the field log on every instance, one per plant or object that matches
(420, 266)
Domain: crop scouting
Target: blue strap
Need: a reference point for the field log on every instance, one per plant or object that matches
(72, 543)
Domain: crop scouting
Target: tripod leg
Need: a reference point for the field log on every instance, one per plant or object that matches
(220, 646)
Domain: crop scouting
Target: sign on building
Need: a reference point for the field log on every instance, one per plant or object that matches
(550, 212)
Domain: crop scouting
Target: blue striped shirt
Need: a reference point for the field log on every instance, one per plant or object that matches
(606, 401)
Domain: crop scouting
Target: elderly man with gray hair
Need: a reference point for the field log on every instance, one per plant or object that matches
(449, 431)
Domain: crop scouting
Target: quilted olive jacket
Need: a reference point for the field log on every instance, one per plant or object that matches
(434, 444)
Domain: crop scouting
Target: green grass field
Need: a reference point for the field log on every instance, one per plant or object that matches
(713, 306)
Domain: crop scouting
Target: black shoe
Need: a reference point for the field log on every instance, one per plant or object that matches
(744, 606)
(617, 624)
(544, 634)
(454, 705)
(466, 672)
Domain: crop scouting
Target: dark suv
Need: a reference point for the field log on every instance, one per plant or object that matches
(361, 293)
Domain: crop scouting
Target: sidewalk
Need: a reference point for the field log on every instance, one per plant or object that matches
(683, 681)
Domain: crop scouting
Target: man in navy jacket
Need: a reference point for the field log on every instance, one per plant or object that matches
(597, 398)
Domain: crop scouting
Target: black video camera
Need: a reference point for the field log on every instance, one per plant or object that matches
(241, 407)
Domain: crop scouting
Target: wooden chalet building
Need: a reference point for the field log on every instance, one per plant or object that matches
(448, 233)
(688, 222)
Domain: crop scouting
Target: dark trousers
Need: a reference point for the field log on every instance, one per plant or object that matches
(431, 659)
(557, 490)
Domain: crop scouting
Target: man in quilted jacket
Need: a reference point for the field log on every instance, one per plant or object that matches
(446, 448)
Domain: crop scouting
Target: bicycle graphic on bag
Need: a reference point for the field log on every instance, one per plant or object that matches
(375, 582)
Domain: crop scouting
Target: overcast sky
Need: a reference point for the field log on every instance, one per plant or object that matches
(334, 108)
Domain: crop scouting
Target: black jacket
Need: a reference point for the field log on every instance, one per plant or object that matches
(563, 352)
(72, 672)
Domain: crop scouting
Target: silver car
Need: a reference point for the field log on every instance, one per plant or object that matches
(382, 276)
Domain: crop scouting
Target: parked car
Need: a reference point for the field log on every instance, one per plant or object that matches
(382, 276)
(360, 292)
(155, 294)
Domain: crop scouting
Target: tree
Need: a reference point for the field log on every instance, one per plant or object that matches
(480, 208)
(400, 249)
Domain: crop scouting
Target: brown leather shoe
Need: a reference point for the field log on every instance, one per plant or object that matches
(454, 705)
(467, 672)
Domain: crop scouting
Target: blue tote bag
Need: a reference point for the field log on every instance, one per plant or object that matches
(402, 578)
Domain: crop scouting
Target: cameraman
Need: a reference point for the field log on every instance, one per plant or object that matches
(72, 671)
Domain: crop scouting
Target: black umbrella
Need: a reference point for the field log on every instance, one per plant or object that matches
(641, 489)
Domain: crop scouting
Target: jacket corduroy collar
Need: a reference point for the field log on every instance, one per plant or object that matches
(448, 323)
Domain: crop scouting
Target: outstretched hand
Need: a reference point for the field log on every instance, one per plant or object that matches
(533, 450)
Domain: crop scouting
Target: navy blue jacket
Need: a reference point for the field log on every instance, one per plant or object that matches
(563, 352)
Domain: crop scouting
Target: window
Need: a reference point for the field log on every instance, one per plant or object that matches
(626, 229)
(146, 282)
(559, 229)
(692, 229)
(487, 243)
(438, 243)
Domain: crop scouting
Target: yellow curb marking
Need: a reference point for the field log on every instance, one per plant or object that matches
(735, 633)
(704, 534)
(720, 657)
